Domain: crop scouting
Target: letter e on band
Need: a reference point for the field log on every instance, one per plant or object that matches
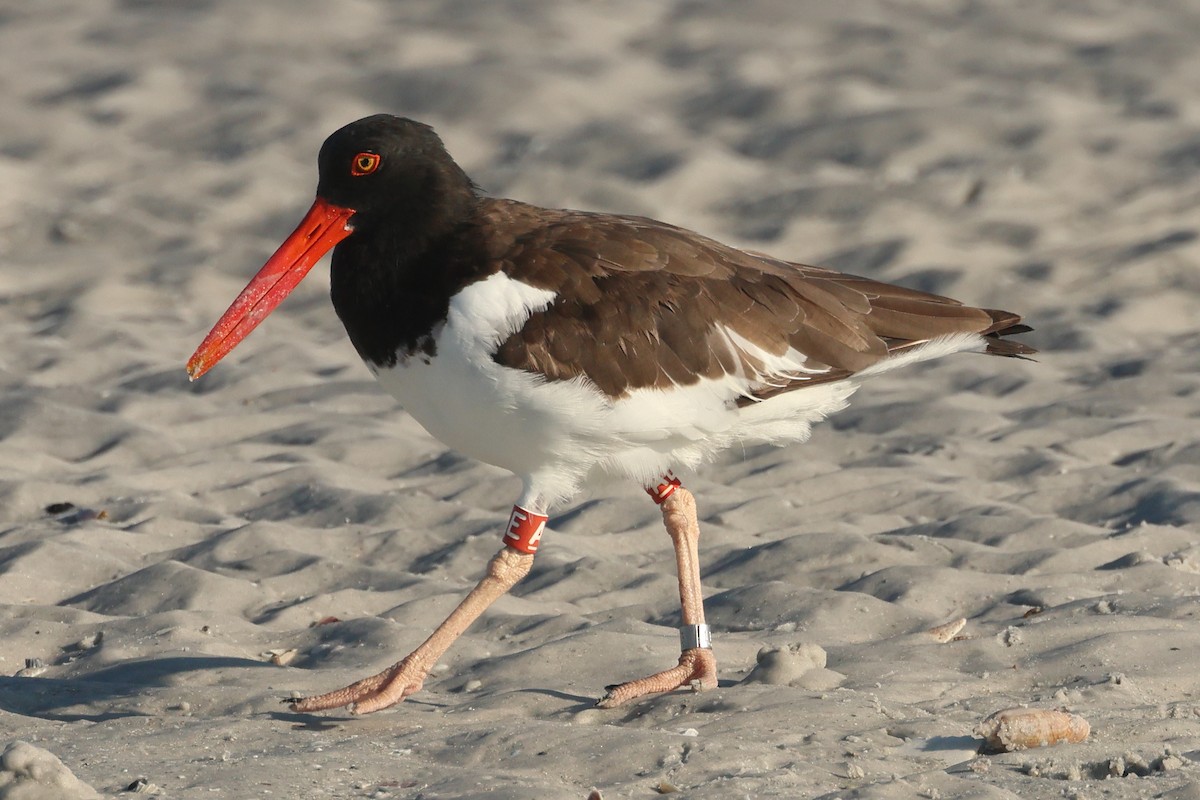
(524, 531)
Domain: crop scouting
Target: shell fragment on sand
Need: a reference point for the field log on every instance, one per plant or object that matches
(1023, 728)
(948, 630)
(281, 657)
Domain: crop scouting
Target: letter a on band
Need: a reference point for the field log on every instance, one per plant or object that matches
(524, 531)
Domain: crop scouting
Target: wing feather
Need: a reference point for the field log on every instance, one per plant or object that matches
(643, 304)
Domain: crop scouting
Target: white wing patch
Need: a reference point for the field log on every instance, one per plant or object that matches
(775, 370)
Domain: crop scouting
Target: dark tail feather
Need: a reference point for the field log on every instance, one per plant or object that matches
(1006, 323)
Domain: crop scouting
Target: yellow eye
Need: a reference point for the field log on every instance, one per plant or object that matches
(364, 164)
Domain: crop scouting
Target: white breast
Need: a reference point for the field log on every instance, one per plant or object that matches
(506, 417)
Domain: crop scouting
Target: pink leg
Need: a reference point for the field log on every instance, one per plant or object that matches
(406, 677)
(697, 667)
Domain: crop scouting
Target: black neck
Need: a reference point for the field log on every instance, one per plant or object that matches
(391, 291)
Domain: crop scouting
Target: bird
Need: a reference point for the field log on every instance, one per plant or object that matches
(567, 346)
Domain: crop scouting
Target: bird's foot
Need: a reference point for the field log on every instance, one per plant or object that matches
(697, 669)
(370, 694)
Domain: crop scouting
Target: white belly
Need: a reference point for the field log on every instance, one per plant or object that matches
(489, 412)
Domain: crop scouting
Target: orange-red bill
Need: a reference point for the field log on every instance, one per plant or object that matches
(322, 227)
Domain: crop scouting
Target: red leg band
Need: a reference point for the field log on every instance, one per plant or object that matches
(524, 531)
(665, 489)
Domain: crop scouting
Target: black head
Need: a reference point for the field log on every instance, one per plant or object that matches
(392, 171)
(389, 200)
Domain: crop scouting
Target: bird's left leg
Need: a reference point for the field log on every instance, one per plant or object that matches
(407, 676)
(697, 667)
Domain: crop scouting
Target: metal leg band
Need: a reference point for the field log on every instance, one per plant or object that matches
(693, 636)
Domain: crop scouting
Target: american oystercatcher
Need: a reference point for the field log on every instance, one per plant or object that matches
(563, 345)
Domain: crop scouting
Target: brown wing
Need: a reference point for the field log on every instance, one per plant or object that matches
(644, 304)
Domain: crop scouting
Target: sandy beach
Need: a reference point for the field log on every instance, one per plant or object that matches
(178, 558)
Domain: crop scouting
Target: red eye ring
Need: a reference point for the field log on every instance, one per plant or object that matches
(364, 164)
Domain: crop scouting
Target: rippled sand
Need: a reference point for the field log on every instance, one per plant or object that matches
(1038, 157)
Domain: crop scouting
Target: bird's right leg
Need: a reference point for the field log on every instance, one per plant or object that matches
(407, 676)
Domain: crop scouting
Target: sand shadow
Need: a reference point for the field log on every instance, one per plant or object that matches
(112, 692)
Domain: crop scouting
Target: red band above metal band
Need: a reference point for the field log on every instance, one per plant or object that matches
(665, 489)
(524, 531)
